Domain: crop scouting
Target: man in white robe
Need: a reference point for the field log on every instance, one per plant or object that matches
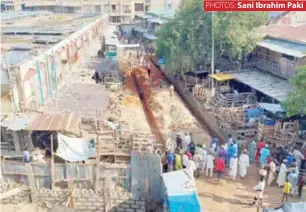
(190, 168)
(185, 160)
(281, 179)
(244, 163)
(203, 153)
(209, 164)
(298, 157)
(187, 141)
(272, 172)
(233, 167)
(197, 158)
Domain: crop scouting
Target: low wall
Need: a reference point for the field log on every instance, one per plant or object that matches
(124, 201)
(81, 200)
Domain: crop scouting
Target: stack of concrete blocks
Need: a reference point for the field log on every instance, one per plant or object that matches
(21, 197)
(50, 197)
(88, 200)
(127, 202)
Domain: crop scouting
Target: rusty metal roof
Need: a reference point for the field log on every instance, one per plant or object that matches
(288, 32)
(55, 122)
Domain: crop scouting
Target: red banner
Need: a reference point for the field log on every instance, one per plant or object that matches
(216, 5)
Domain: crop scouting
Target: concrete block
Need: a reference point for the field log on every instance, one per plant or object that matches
(129, 210)
(92, 207)
(125, 206)
(140, 203)
(130, 202)
(98, 204)
(120, 209)
(87, 203)
(81, 207)
(135, 206)
(140, 210)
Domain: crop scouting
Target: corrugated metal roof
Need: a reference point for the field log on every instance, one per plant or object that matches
(150, 36)
(14, 57)
(140, 29)
(17, 121)
(163, 13)
(156, 20)
(35, 31)
(12, 15)
(285, 47)
(266, 83)
(47, 39)
(289, 32)
(55, 122)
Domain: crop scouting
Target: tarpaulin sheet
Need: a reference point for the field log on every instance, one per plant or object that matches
(273, 108)
(184, 203)
(180, 198)
(254, 112)
(75, 149)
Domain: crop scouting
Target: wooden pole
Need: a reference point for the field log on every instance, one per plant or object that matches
(52, 164)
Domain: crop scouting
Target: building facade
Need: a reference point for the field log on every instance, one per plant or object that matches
(284, 46)
(120, 11)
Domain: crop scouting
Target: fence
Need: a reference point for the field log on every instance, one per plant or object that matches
(38, 175)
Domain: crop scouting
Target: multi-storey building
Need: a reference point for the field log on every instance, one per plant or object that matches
(120, 11)
(124, 11)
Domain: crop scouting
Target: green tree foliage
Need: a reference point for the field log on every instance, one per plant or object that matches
(186, 40)
(296, 102)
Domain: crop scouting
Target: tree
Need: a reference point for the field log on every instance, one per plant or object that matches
(296, 102)
(186, 40)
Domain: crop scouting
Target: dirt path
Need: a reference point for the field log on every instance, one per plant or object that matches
(230, 196)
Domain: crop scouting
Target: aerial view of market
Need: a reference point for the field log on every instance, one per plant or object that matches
(151, 106)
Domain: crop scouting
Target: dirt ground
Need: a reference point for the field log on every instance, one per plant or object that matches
(228, 195)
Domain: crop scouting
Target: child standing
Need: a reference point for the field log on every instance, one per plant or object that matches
(286, 190)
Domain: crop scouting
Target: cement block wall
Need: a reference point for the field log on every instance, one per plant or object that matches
(127, 202)
(88, 200)
(83, 200)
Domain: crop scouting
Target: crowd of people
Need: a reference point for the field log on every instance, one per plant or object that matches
(276, 164)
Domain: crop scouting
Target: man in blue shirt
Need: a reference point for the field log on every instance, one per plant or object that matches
(264, 154)
(170, 159)
(231, 152)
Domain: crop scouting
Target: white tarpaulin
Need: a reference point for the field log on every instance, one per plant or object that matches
(274, 108)
(75, 149)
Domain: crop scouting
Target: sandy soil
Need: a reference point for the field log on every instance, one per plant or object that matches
(133, 114)
(229, 196)
(22, 207)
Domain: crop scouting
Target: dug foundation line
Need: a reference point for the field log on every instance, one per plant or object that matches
(144, 96)
(199, 111)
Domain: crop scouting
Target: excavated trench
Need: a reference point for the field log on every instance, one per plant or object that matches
(204, 118)
(144, 92)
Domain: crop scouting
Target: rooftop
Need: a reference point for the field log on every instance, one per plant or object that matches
(288, 32)
(266, 83)
(26, 35)
(284, 47)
